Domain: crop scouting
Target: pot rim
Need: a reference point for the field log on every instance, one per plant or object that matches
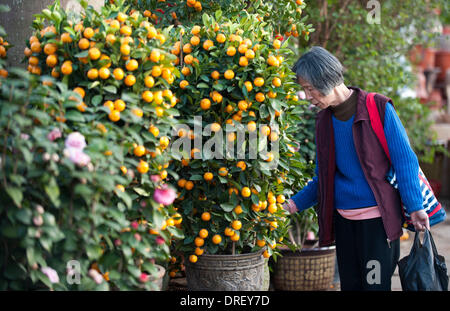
(323, 248)
(316, 251)
(231, 257)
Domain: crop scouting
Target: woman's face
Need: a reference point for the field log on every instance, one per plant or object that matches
(314, 96)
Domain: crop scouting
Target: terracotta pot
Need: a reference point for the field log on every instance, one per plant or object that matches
(423, 57)
(428, 59)
(443, 63)
(446, 30)
(415, 54)
(435, 99)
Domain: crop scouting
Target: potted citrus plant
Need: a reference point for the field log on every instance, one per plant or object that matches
(233, 76)
(95, 162)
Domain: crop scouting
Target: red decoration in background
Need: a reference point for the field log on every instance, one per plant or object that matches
(436, 186)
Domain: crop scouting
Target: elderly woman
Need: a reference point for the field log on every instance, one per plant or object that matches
(358, 209)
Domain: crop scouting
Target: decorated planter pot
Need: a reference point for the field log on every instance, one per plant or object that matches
(242, 272)
(158, 279)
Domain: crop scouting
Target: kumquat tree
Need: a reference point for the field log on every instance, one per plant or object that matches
(234, 82)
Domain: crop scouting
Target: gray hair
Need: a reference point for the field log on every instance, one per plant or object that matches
(320, 68)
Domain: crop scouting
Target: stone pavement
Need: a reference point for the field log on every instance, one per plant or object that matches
(441, 237)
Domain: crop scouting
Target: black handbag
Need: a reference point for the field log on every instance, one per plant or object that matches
(423, 269)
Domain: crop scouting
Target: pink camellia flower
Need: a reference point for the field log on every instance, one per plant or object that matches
(75, 140)
(54, 134)
(155, 178)
(78, 157)
(144, 277)
(24, 136)
(134, 224)
(160, 240)
(51, 274)
(138, 237)
(96, 276)
(164, 195)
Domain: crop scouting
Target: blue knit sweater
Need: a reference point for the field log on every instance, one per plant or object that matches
(351, 189)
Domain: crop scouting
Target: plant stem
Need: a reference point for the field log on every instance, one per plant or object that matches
(5, 141)
(291, 237)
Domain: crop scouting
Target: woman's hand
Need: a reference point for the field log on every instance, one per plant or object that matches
(420, 220)
(290, 206)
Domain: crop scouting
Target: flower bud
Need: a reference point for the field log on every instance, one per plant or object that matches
(55, 157)
(144, 277)
(138, 237)
(40, 209)
(38, 220)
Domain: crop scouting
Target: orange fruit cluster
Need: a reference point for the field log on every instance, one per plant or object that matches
(112, 61)
(250, 76)
(4, 45)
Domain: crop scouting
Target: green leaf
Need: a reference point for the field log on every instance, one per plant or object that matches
(202, 85)
(74, 115)
(125, 197)
(110, 89)
(46, 243)
(176, 233)
(227, 207)
(255, 199)
(93, 84)
(93, 252)
(141, 192)
(218, 14)
(219, 87)
(70, 31)
(15, 194)
(82, 54)
(205, 20)
(196, 177)
(52, 191)
(27, 156)
(44, 279)
(134, 271)
(204, 78)
(158, 218)
(97, 99)
(24, 216)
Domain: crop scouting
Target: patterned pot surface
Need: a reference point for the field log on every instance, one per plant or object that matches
(242, 272)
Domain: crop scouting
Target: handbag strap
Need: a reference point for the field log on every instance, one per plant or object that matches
(433, 246)
(375, 121)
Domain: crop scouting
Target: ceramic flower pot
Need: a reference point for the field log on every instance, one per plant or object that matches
(158, 279)
(242, 272)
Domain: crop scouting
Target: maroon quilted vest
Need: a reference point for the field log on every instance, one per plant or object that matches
(374, 163)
